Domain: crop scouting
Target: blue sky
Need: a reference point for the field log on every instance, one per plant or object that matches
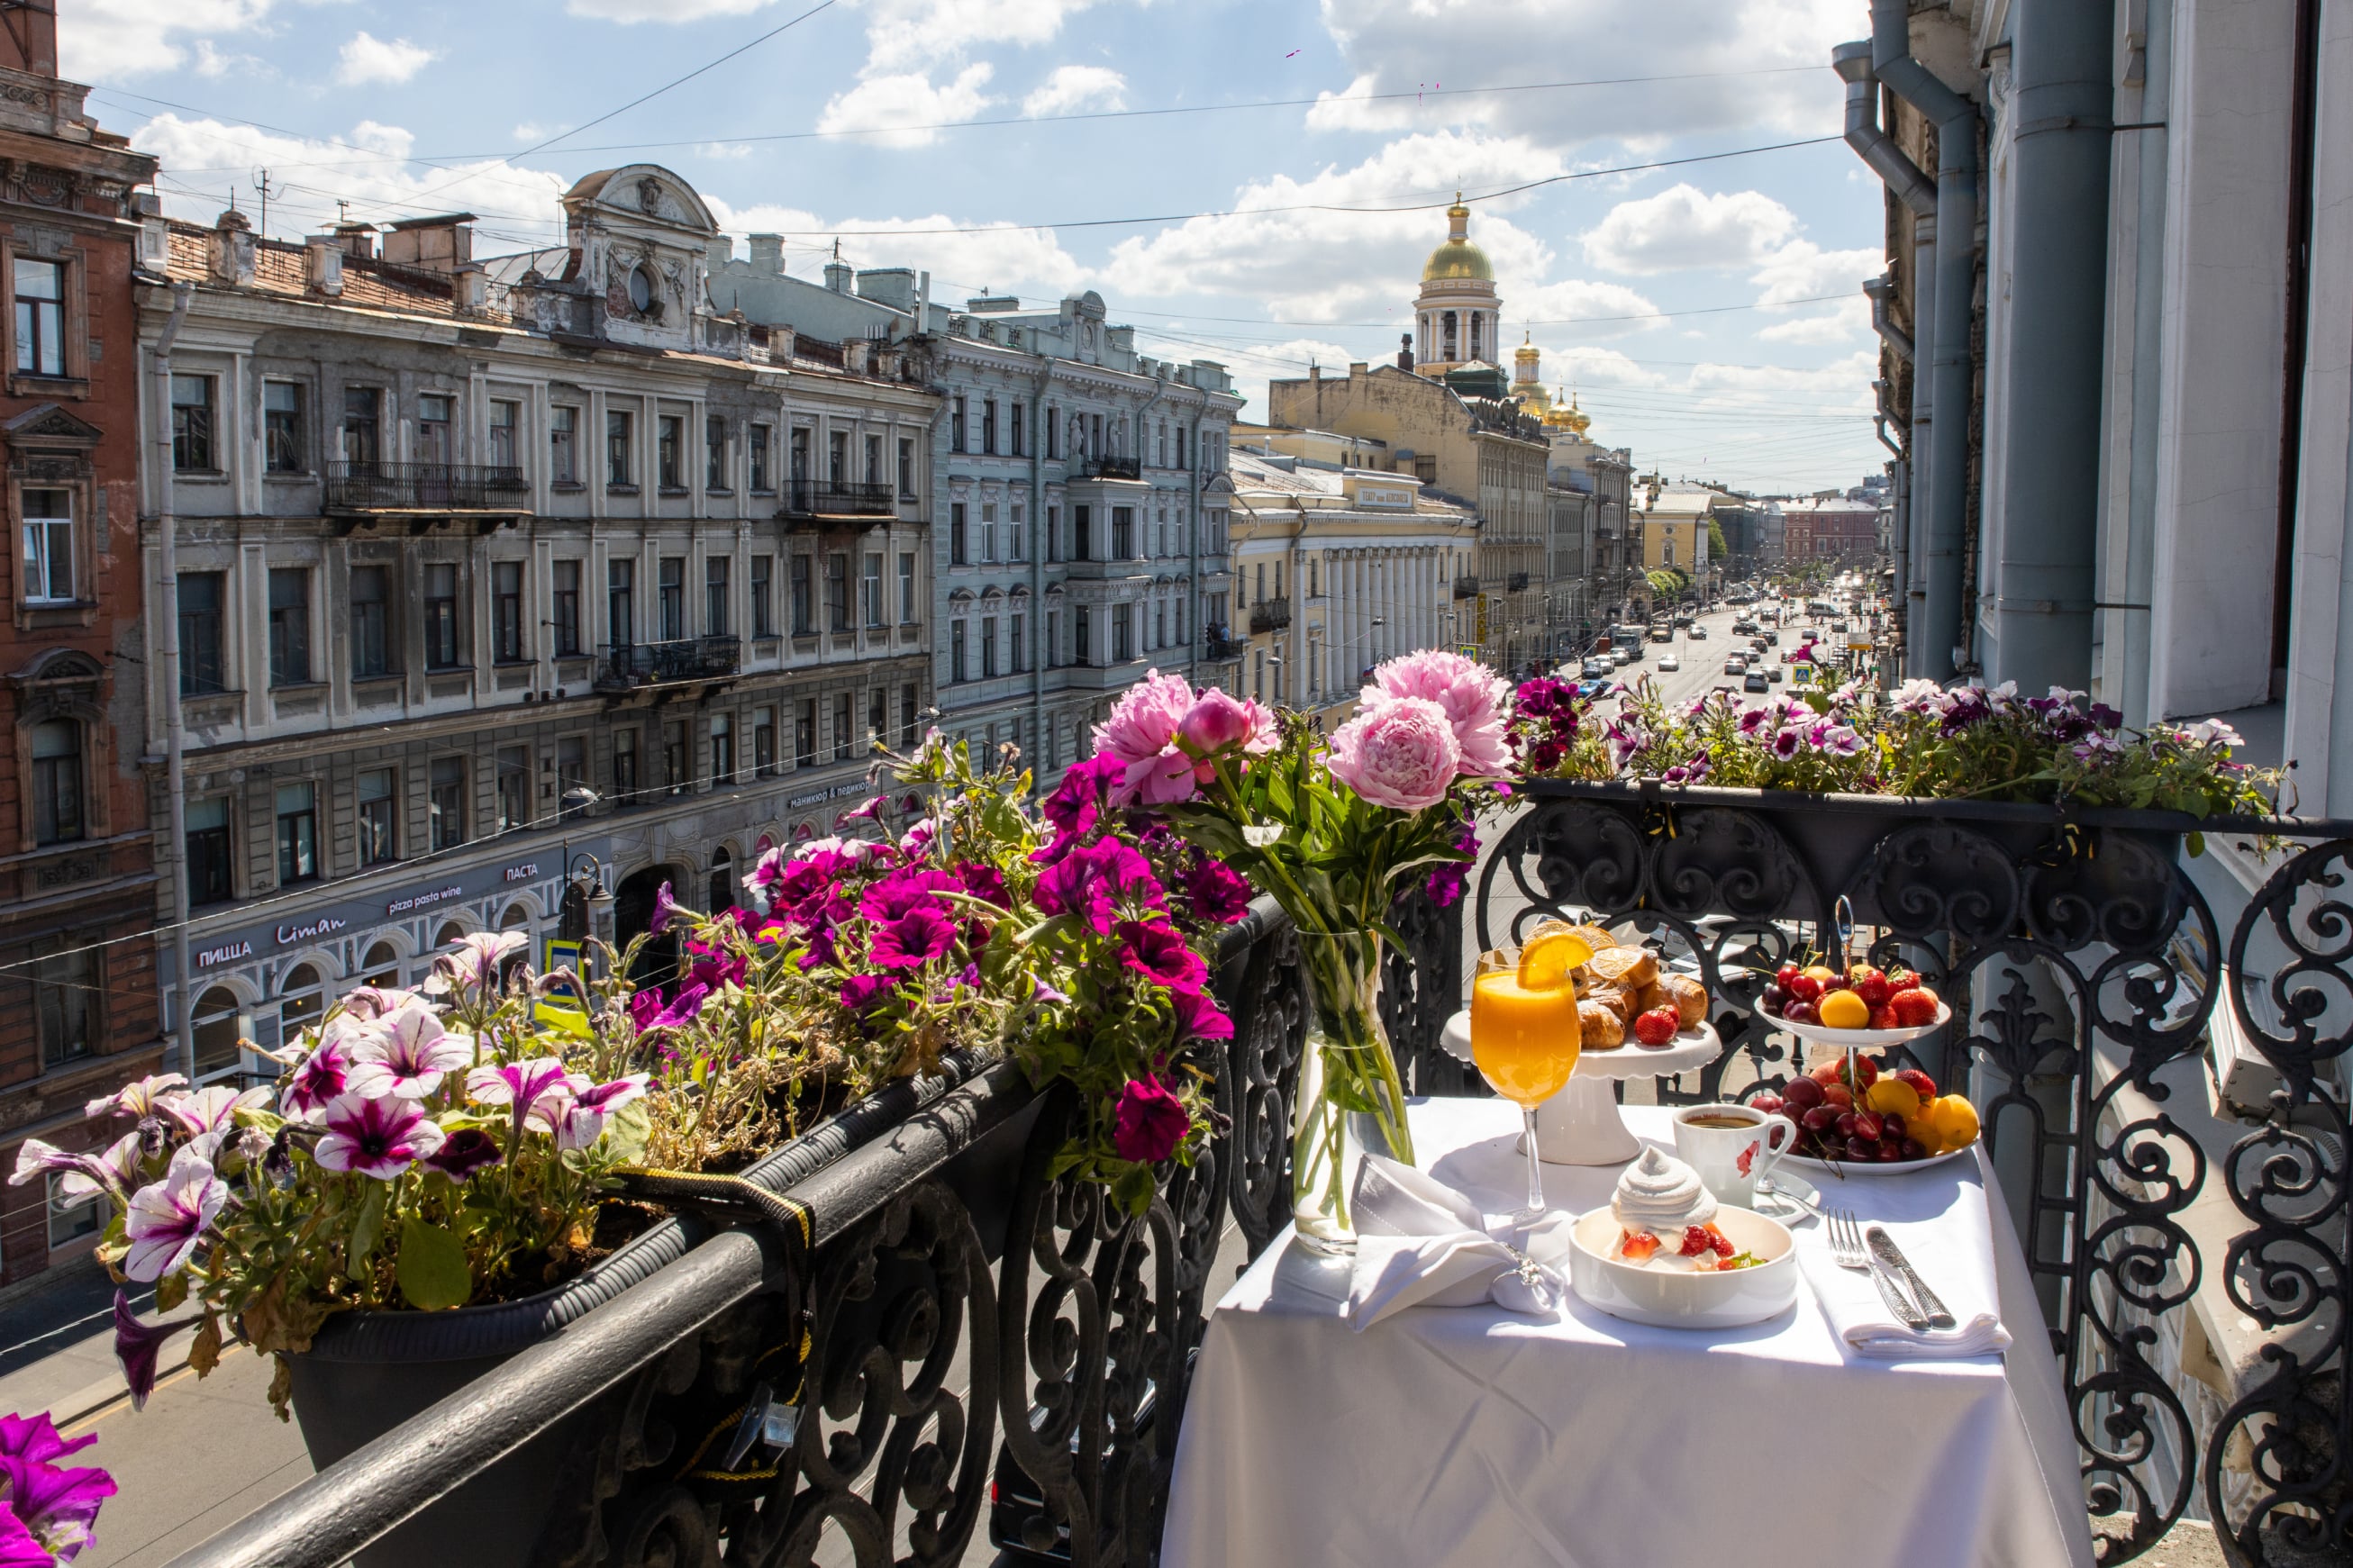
(1708, 315)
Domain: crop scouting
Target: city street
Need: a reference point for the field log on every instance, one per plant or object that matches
(1702, 659)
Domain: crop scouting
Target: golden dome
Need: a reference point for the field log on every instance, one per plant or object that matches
(1458, 258)
(1569, 417)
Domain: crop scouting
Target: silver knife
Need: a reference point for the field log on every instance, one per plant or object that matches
(1883, 1246)
(1897, 1301)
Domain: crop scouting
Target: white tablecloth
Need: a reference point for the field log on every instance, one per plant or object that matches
(1470, 1436)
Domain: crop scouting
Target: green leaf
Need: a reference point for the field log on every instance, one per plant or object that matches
(367, 1228)
(170, 1291)
(1131, 1189)
(432, 1270)
(626, 1132)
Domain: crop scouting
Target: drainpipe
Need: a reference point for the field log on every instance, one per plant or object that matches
(1936, 634)
(1042, 744)
(175, 734)
(1903, 555)
(2046, 560)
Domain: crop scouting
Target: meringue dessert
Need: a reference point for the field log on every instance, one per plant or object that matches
(1666, 1219)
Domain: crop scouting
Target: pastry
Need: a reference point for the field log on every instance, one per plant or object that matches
(1689, 997)
(1613, 997)
(1649, 996)
(1633, 967)
(1602, 1028)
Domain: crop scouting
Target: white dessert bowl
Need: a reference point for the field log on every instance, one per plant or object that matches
(1680, 1298)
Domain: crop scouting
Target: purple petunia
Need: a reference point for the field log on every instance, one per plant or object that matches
(1091, 884)
(915, 939)
(166, 1221)
(1217, 891)
(1158, 951)
(1198, 1018)
(1149, 1124)
(54, 1507)
(379, 1138)
(861, 992)
(463, 1152)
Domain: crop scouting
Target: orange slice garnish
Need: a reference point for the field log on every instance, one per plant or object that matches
(1547, 962)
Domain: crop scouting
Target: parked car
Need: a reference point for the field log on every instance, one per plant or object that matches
(1755, 681)
(1595, 690)
(1669, 663)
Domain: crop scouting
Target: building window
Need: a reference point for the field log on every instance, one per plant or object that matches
(1016, 625)
(906, 469)
(988, 530)
(617, 448)
(72, 1218)
(1081, 525)
(565, 608)
(837, 589)
(514, 788)
(1054, 433)
(874, 459)
(1016, 536)
(956, 650)
(371, 621)
(1123, 532)
(218, 1023)
(298, 832)
(841, 742)
(988, 646)
(873, 588)
(362, 426)
(282, 427)
(192, 424)
(988, 425)
(445, 801)
(723, 879)
(1123, 632)
(715, 618)
(764, 741)
(48, 546)
(440, 616)
(41, 317)
(723, 748)
(506, 417)
(1014, 444)
(958, 550)
(624, 765)
(761, 482)
(1053, 530)
(1053, 639)
(57, 781)
(670, 597)
(201, 597)
(907, 715)
(290, 626)
(837, 459)
(564, 444)
(804, 599)
(764, 606)
(433, 447)
(1082, 638)
(571, 773)
(955, 425)
(714, 453)
(506, 611)
(906, 587)
(379, 795)
(621, 613)
(799, 456)
(669, 469)
(208, 851)
(65, 1001)
(676, 774)
(804, 733)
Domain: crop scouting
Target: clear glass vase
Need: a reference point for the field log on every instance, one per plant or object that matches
(1350, 1098)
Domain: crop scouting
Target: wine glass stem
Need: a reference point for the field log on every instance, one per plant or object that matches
(1536, 1166)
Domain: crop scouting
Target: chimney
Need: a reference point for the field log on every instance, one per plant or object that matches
(441, 243)
(155, 231)
(837, 275)
(717, 251)
(322, 264)
(473, 287)
(356, 239)
(232, 250)
(769, 254)
(891, 286)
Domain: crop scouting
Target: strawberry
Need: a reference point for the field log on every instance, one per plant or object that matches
(1637, 1245)
(1883, 1017)
(1922, 1084)
(1718, 1240)
(1657, 1028)
(1839, 1095)
(1872, 987)
(1697, 1242)
(1914, 1007)
(1866, 1073)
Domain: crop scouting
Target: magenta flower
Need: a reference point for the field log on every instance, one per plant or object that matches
(1076, 801)
(581, 1119)
(320, 1077)
(645, 1006)
(36, 1437)
(1149, 1124)
(665, 911)
(985, 882)
(915, 939)
(55, 1507)
(1400, 753)
(1445, 883)
(861, 992)
(1090, 883)
(462, 1153)
(716, 971)
(1788, 741)
(166, 1221)
(1220, 722)
(1217, 891)
(1155, 950)
(406, 1055)
(906, 892)
(137, 1346)
(534, 1088)
(143, 1098)
(1473, 697)
(1198, 1016)
(379, 1138)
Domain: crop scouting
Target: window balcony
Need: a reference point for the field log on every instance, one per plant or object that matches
(628, 666)
(1466, 587)
(1110, 468)
(429, 489)
(1269, 615)
(1220, 645)
(837, 498)
(1516, 582)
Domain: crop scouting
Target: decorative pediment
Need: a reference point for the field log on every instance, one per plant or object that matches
(50, 424)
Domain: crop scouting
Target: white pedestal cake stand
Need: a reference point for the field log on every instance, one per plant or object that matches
(1581, 1125)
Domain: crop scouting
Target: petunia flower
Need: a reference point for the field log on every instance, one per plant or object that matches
(462, 1153)
(85, 1175)
(473, 961)
(1198, 1016)
(369, 1003)
(210, 1115)
(321, 1078)
(1149, 1124)
(137, 1347)
(1092, 881)
(166, 1221)
(143, 1098)
(535, 1088)
(1155, 950)
(1217, 891)
(379, 1138)
(57, 1506)
(915, 939)
(861, 992)
(581, 1120)
(408, 1056)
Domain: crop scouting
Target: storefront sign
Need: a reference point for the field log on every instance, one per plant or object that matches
(522, 873)
(819, 797)
(228, 952)
(325, 925)
(424, 900)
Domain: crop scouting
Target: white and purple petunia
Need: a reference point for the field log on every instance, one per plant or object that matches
(406, 1056)
(167, 1220)
(209, 1114)
(83, 1175)
(322, 1078)
(537, 1089)
(581, 1120)
(473, 960)
(379, 1138)
(145, 1097)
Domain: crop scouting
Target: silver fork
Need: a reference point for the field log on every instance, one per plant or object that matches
(1848, 1251)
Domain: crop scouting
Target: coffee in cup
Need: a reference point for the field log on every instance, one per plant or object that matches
(1731, 1146)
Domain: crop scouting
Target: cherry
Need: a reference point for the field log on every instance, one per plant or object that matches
(1803, 1094)
(1787, 972)
(1822, 1118)
(1861, 1151)
(1803, 987)
(1802, 1013)
(1866, 1125)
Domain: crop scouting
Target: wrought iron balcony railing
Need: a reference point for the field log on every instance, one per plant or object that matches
(1218, 644)
(1517, 582)
(1466, 586)
(360, 488)
(2086, 969)
(1112, 467)
(1270, 615)
(838, 497)
(623, 665)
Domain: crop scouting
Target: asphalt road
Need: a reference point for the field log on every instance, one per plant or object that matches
(1702, 659)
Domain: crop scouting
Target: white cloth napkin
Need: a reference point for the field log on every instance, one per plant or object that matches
(1941, 1224)
(1419, 1242)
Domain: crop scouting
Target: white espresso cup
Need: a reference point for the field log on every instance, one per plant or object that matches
(1731, 1146)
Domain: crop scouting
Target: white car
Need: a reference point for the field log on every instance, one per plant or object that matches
(1669, 664)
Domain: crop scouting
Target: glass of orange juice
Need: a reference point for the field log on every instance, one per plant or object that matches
(1523, 1031)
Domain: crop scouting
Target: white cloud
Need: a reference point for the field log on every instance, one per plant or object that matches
(1595, 310)
(728, 151)
(1838, 327)
(367, 58)
(1682, 227)
(212, 63)
(896, 107)
(1803, 270)
(101, 40)
(1073, 88)
(1027, 261)
(908, 33)
(662, 10)
(1253, 366)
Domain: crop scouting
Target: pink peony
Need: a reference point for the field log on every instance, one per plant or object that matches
(1219, 723)
(1400, 753)
(1149, 1124)
(1141, 737)
(1473, 696)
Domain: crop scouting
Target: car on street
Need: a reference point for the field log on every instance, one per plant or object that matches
(1772, 638)
(1594, 690)
(1626, 655)
(1698, 632)
(1669, 664)
(1773, 673)
(1597, 668)
(1755, 681)
(1735, 665)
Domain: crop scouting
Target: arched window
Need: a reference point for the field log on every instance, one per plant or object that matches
(217, 1027)
(57, 781)
(517, 918)
(382, 967)
(300, 1000)
(450, 933)
(1446, 322)
(723, 880)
